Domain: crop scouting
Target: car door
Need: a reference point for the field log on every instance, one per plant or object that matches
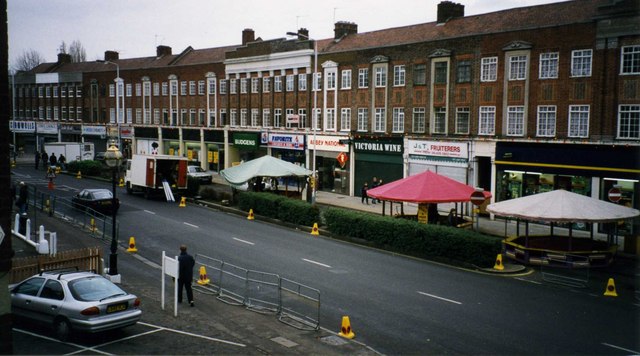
(23, 298)
(49, 301)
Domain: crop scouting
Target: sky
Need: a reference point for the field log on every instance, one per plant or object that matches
(135, 27)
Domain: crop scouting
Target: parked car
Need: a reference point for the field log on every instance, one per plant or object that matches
(100, 200)
(200, 174)
(99, 156)
(74, 301)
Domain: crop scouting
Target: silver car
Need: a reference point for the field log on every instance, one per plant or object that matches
(74, 301)
(200, 174)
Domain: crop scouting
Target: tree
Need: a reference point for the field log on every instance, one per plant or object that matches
(77, 52)
(28, 60)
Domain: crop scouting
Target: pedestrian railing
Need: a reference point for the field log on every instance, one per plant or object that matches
(295, 304)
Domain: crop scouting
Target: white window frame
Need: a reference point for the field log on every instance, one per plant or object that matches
(547, 121)
(419, 120)
(233, 86)
(233, 117)
(290, 83)
(277, 84)
(399, 75)
(463, 120)
(138, 89)
(630, 60)
(183, 88)
(243, 85)
(363, 119)
(266, 84)
(439, 120)
(380, 76)
(579, 121)
(330, 119)
(363, 78)
(515, 121)
(331, 80)
(345, 119)
(489, 69)
(302, 82)
(581, 60)
(549, 65)
(628, 121)
(255, 117)
(223, 86)
(255, 85)
(277, 117)
(518, 67)
(243, 117)
(487, 120)
(345, 79)
(201, 87)
(397, 125)
(379, 120)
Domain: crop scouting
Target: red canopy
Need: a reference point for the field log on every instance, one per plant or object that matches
(426, 187)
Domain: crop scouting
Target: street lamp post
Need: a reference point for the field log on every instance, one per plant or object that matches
(118, 81)
(112, 157)
(314, 117)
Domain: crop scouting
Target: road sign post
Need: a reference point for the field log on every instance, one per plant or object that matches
(477, 198)
(614, 194)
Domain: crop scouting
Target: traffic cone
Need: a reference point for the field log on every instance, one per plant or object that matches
(46, 206)
(314, 231)
(50, 185)
(611, 289)
(499, 266)
(183, 202)
(203, 276)
(79, 175)
(92, 225)
(345, 330)
(132, 245)
(121, 184)
(250, 217)
(58, 170)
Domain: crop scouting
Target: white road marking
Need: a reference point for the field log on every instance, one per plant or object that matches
(186, 223)
(435, 296)
(243, 241)
(526, 280)
(150, 212)
(194, 335)
(621, 348)
(58, 341)
(316, 263)
(93, 348)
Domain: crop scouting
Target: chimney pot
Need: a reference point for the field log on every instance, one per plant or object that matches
(248, 35)
(111, 56)
(163, 51)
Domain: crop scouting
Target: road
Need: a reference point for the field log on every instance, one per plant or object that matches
(397, 305)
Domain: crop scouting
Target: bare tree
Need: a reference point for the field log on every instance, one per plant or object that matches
(77, 52)
(28, 60)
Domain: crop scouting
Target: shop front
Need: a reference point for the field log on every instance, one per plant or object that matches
(96, 134)
(377, 156)
(171, 141)
(24, 136)
(332, 162)
(193, 146)
(146, 141)
(244, 146)
(71, 132)
(214, 150)
(593, 170)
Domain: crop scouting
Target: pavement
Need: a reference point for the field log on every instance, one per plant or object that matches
(214, 327)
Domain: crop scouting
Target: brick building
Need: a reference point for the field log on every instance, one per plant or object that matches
(517, 102)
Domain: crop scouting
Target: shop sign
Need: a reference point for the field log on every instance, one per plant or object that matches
(286, 141)
(70, 129)
(328, 143)
(94, 130)
(293, 119)
(246, 140)
(438, 149)
(47, 127)
(22, 126)
(126, 131)
(384, 146)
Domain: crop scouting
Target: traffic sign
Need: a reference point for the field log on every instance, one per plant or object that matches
(342, 159)
(477, 197)
(615, 194)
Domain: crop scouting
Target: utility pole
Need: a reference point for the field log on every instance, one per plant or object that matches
(6, 200)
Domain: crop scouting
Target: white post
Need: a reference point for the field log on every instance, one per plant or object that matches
(53, 244)
(162, 279)
(175, 289)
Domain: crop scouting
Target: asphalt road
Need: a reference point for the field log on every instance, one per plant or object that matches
(396, 304)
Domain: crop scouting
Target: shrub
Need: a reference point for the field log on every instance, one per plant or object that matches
(87, 168)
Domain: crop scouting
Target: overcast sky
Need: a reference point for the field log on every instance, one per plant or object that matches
(135, 27)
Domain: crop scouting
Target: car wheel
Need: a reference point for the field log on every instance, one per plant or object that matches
(62, 329)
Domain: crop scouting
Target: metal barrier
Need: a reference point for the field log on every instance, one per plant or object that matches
(295, 304)
(300, 305)
(263, 292)
(561, 269)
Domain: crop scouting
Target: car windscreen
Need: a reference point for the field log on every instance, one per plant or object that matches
(102, 194)
(93, 289)
(194, 169)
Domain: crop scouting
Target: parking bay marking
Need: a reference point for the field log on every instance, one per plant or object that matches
(194, 226)
(316, 263)
(441, 298)
(150, 212)
(243, 241)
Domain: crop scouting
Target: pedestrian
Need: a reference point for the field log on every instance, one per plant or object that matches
(363, 192)
(62, 161)
(45, 159)
(374, 184)
(185, 274)
(23, 198)
(37, 159)
(53, 160)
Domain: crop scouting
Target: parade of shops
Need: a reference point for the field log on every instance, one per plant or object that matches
(515, 102)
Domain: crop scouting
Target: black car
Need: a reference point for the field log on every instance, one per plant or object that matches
(100, 200)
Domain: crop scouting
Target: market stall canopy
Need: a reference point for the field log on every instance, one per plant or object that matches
(265, 166)
(562, 206)
(426, 187)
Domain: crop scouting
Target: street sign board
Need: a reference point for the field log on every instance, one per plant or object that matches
(477, 198)
(615, 194)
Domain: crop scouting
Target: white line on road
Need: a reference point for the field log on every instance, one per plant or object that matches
(94, 348)
(316, 263)
(621, 348)
(150, 212)
(526, 280)
(243, 241)
(435, 296)
(186, 223)
(84, 348)
(194, 335)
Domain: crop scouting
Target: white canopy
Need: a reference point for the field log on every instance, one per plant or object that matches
(562, 206)
(265, 166)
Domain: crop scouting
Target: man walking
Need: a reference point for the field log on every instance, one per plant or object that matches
(185, 274)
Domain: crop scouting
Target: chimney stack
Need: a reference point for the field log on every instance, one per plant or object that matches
(303, 34)
(248, 35)
(64, 58)
(163, 51)
(448, 10)
(111, 56)
(343, 28)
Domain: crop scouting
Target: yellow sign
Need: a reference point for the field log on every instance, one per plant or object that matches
(190, 154)
(422, 213)
(216, 157)
(171, 151)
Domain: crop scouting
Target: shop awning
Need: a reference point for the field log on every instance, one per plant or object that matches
(265, 166)
(562, 206)
(426, 187)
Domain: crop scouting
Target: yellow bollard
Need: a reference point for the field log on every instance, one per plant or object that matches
(203, 276)
(132, 245)
(79, 175)
(499, 266)
(121, 184)
(314, 231)
(345, 330)
(610, 291)
(250, 217)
